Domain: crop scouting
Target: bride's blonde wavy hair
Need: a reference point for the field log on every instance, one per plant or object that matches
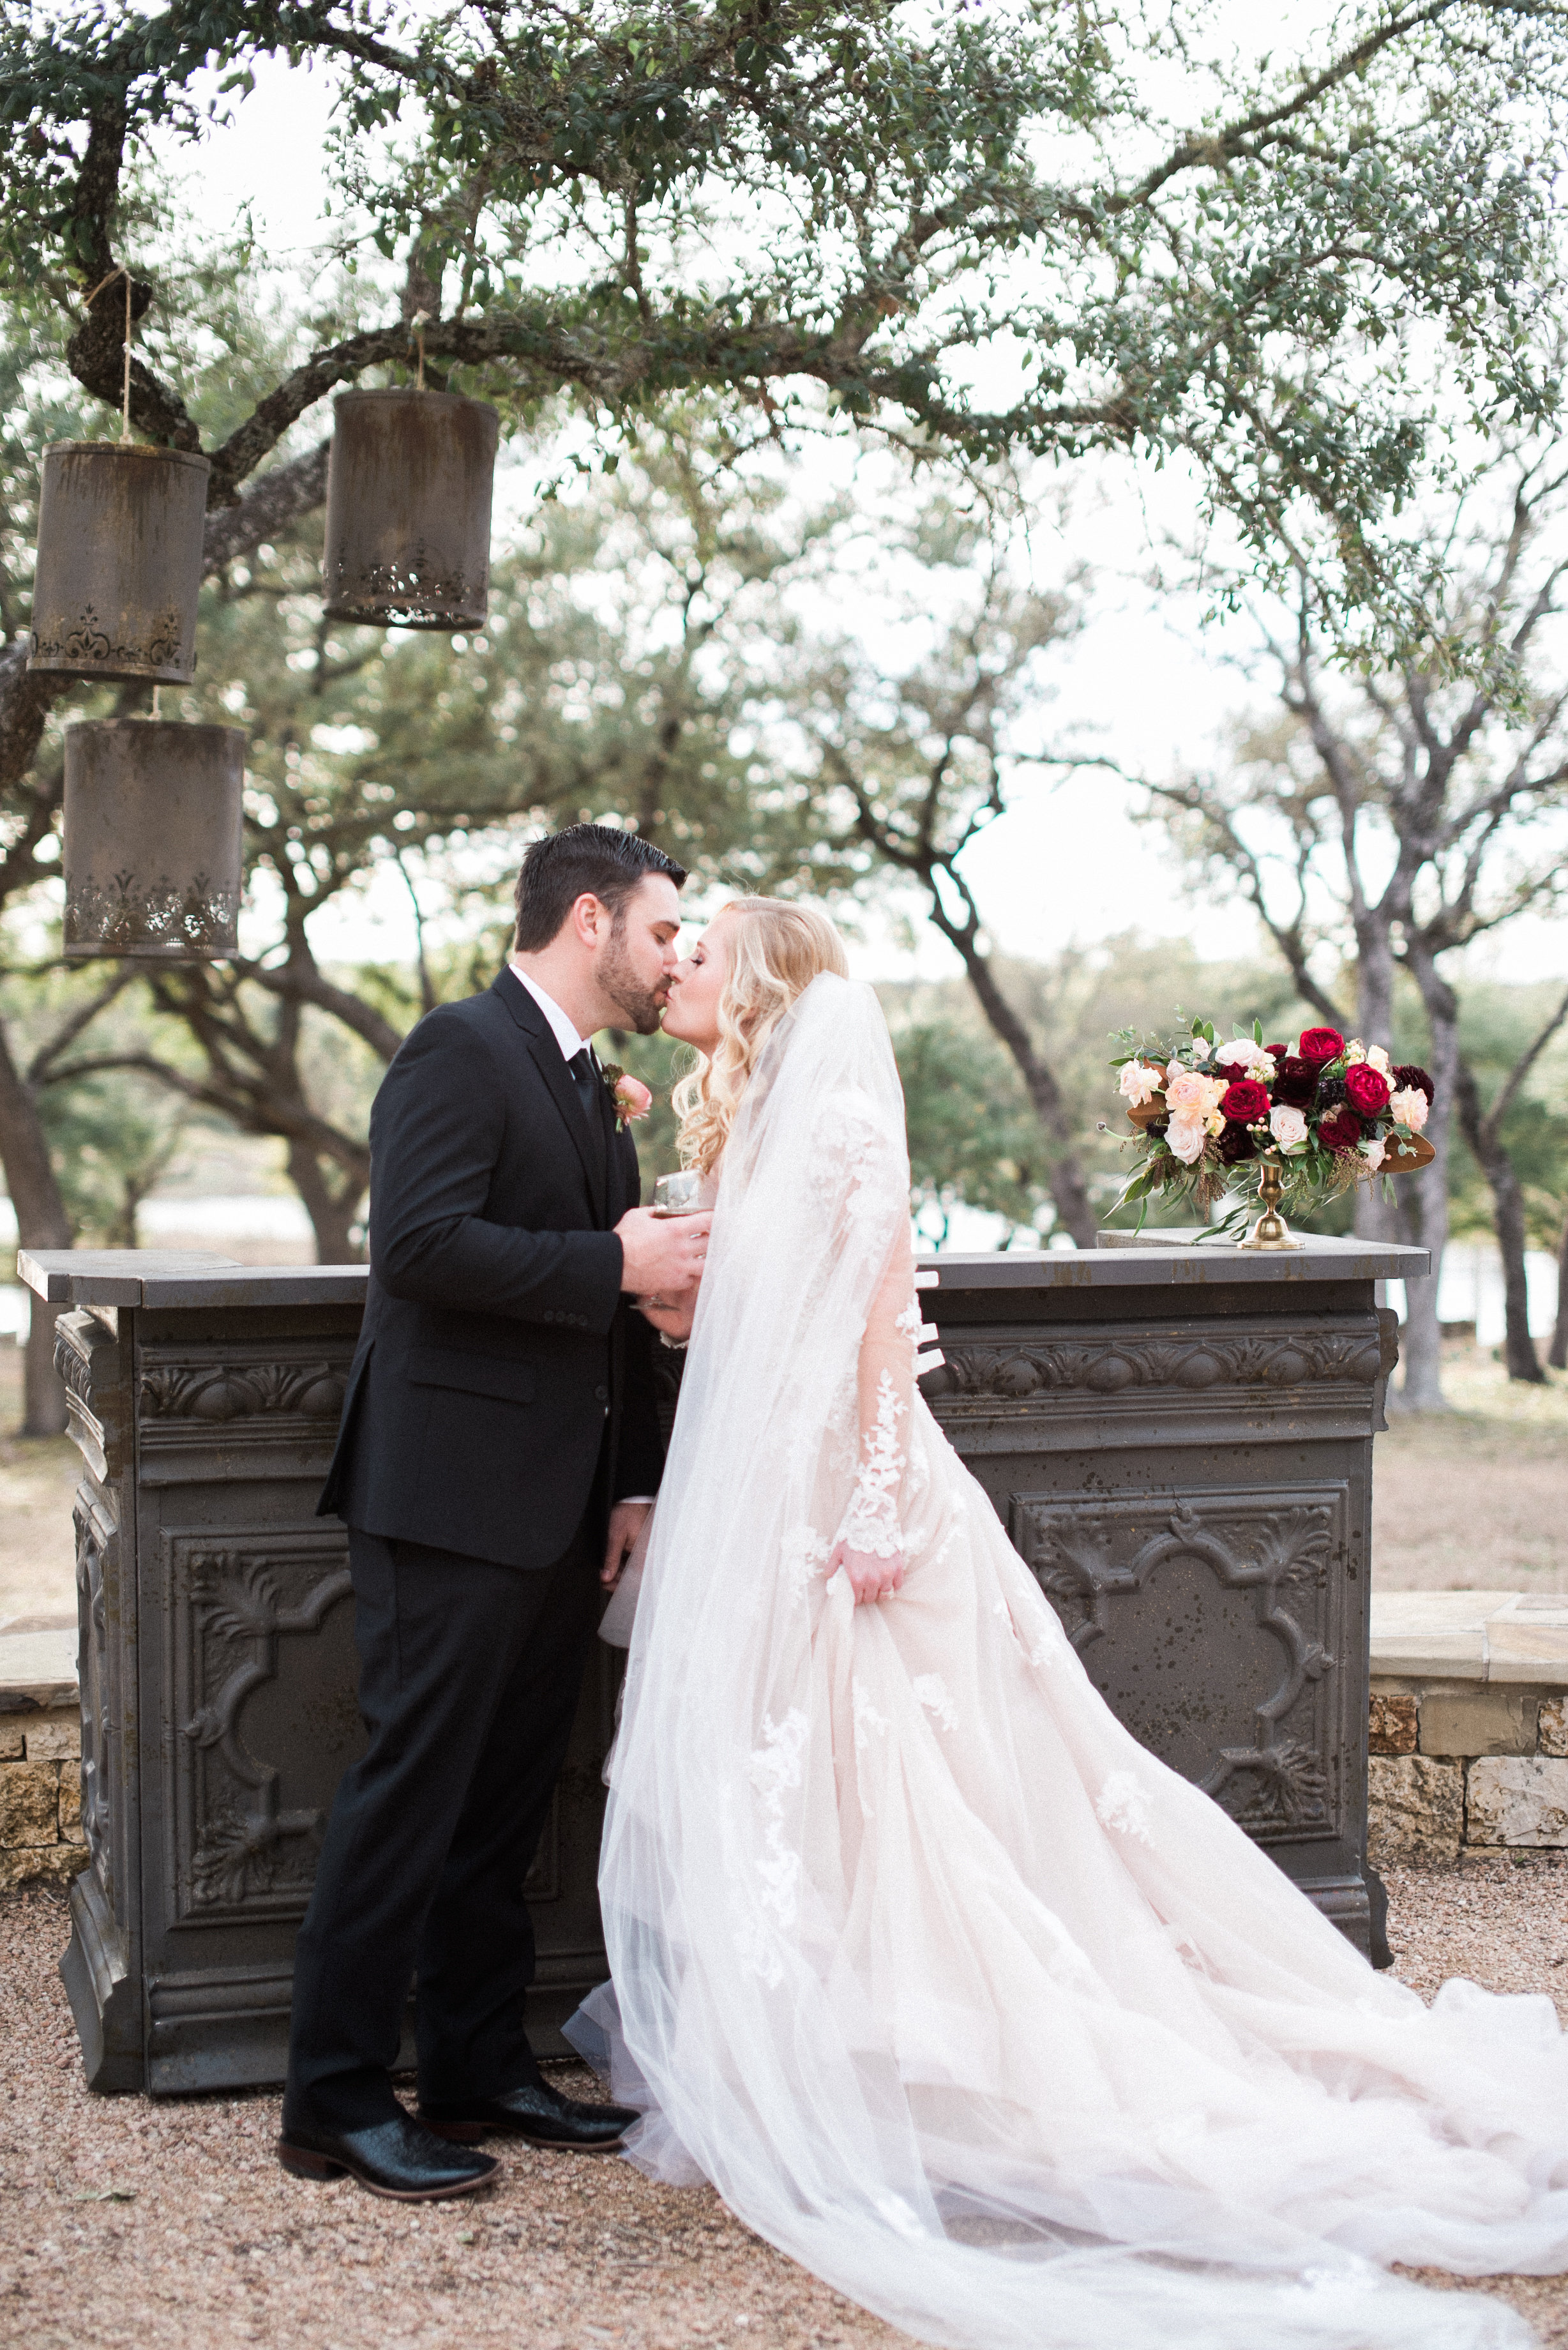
(776, 950)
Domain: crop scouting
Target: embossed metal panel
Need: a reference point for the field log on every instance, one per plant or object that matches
(262, 1689)
(1211, 1626)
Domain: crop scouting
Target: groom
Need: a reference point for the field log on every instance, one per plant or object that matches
(499, 1444)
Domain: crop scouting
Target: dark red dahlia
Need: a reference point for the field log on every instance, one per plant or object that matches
(1235, 1144)
(1407, 1073)
(1366, 1089)
(1321, 1044)
(1246, 1101)
(1341, 1131)
(1296, 1082)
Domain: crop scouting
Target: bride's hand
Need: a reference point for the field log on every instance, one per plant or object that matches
(672, 1314)
(870, 1577)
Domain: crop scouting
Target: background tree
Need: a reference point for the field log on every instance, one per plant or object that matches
(1396, 813)
(921, 760)
(1516, 1082)
(572, 203)
(575, 200)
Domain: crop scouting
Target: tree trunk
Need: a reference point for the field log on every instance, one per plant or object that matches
(1070, 1192)
(1374, 978)
(41, 1224)
(1427, 1197)
(1425, 1226)
(1508, 1220)
(333, 1210)
(1557, 1355)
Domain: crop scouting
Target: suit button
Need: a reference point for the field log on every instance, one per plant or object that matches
(601, 1394)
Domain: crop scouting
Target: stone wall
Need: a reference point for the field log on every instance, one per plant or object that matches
(40, 1758)
(40, 1798)
(1468, 1734)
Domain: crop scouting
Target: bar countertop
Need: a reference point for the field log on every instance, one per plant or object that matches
(171, 1279)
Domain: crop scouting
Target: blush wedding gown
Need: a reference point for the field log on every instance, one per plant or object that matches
(952, 1991)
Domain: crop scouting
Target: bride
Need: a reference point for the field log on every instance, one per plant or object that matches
(952, 1991)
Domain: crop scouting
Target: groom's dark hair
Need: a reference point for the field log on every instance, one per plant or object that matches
(598, 858)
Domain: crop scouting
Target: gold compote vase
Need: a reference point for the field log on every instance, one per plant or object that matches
(1271, 1231)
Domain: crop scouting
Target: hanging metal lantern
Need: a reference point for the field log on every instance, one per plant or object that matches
(155, 840)
(407, 509)
(120, 562)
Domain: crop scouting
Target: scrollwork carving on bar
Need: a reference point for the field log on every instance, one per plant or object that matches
(1011, 1374)
(243, 1844)
(225, 1391)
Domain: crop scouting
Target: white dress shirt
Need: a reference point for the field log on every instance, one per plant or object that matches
(571, 1045)
(561, 1028)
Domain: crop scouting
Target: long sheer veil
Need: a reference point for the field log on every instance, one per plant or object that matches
(741, 1834)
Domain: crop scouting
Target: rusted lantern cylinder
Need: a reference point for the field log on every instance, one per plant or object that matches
(407, 509)
(155, 840)
(120, 562)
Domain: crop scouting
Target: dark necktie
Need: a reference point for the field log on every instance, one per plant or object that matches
(585, 1077)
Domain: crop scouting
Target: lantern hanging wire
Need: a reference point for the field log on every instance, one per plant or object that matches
(119, 270)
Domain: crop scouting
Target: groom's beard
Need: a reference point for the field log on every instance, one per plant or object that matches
(638, 1005)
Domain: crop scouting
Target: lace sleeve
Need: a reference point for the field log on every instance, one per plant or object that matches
(891, 1355)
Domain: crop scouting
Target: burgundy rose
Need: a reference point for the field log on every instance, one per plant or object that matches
(1321, 1044)
(1296, 1082)
(1407, 1073)
(1235, 1144)
(1340, 1132)
(1366, 1089)
(1276, 1052)
(1246, 1101)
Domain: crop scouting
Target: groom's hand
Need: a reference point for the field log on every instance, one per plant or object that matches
(625, 1525)
(661, 1256)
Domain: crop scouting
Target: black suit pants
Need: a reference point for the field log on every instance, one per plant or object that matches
(469, 1674)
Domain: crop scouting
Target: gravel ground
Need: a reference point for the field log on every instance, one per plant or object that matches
(166, 2224)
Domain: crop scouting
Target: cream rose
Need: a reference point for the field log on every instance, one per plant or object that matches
(1139, 1083)
(1185, 1136)
(1288, 1126)
(1373, 1151)
(1191, 1096)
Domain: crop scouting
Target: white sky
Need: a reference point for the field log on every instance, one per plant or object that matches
(1145, 684)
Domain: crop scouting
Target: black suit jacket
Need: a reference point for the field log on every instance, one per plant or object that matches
(497, 1352)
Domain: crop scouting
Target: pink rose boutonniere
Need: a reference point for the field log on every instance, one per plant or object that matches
(629, 1097)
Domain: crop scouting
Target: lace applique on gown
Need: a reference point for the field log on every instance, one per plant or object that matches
(954, 1992)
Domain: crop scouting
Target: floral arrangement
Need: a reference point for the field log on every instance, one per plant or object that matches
(1330, 1113)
